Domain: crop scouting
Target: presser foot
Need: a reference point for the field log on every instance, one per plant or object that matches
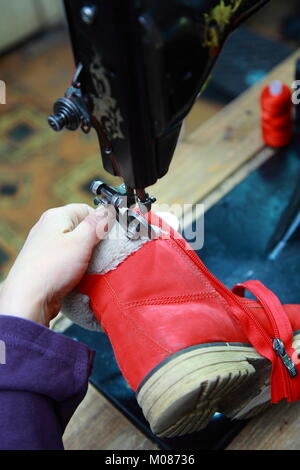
(130, 207)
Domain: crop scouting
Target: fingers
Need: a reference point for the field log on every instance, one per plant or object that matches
(63, 219)
(74, 214)
(77, 220)
(95, 226)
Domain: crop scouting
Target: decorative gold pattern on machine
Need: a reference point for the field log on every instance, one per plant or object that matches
(217, 20)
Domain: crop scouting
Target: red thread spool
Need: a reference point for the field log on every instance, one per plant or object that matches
(276, 114)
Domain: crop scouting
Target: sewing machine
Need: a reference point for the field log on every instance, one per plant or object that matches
(140, 66)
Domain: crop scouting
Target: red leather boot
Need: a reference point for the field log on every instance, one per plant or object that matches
(187, 345)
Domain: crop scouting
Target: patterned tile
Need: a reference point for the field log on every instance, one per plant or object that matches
(8, 189)
(15, 188)
(4, 257)
(10, 244)
(22, 132)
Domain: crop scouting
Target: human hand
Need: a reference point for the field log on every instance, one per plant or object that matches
(53, 260)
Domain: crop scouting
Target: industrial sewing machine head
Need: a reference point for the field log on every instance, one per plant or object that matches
(140, 66)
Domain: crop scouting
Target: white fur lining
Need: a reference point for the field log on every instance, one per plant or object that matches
(108, 254)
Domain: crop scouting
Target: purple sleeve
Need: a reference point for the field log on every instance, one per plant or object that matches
(43, 378)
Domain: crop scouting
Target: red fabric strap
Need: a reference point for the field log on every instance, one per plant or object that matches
(285, 364)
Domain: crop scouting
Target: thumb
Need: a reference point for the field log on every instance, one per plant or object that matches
(95, 226)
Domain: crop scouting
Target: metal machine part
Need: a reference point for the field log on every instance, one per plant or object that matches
(287, 226)
(88, 13)
(294, 225)
(70, 112)
(133, 222)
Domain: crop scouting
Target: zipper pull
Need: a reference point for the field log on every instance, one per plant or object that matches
(279, 348)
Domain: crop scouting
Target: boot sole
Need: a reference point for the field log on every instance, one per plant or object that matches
(182, 394)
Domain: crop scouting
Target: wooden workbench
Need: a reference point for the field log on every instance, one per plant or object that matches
(207, 164)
